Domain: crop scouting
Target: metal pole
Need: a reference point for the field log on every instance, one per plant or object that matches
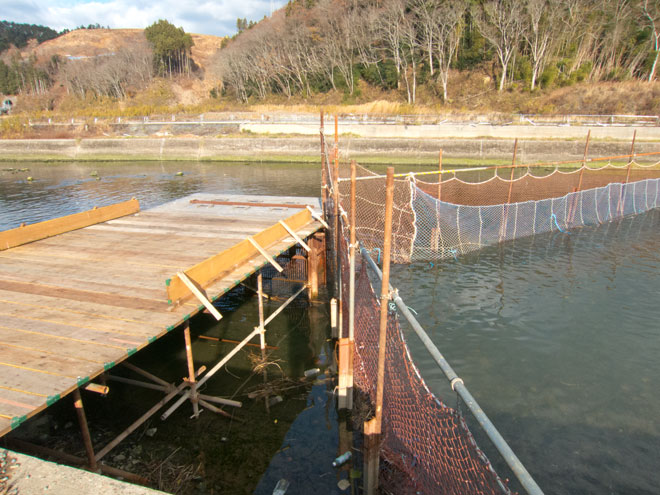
(84, 429)
(457, 384)
(440, 174)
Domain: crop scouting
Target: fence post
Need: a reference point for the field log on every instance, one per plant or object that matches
(440, 174)
(584, 160)
(373, 427)
(262, 334)
(345, 390)
(324, 172)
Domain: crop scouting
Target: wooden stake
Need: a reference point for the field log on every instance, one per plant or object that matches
(440, 174)
(352, 226)
(632, 155)
(513, 169)
(84, 429)
(191, 372)
(262, 334)
(373, 427)
(199, 294)
(584, 160)
(313, 269)
(324, 172)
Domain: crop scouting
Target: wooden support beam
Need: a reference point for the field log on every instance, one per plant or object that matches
(213, 268)
(313, 270)
(345, 384)
(243, 203)
(316, 216)
(293, 234)
(265, 254)
(42, 230)
(191, 372)
(199, 294)
(96, 388)
(84, 429)
(104, 451)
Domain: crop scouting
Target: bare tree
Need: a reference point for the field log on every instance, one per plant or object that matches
(500, 22)
(651, 11)
(448, 30)
(539, 33)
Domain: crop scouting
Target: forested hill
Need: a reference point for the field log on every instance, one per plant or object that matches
(18, 35)
(419, 46)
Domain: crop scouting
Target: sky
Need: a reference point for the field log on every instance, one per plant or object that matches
(216, 17)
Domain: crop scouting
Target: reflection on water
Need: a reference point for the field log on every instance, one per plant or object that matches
(63, 188)
(557, 338)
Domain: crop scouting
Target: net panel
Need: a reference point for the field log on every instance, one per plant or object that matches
(533, 186)
(424, 439)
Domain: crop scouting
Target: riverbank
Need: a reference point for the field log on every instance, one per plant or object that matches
(303, 149)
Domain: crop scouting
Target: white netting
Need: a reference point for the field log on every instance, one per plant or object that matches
(472, 215)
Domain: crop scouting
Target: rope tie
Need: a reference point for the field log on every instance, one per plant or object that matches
(455, 381)
(554, 217)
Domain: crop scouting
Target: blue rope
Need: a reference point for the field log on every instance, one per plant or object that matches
(554, 217)
(454, 252)
(377, 249)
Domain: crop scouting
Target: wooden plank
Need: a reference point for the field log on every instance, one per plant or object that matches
(73, 332)
(199, 294)
(73, 308)
(106, 298)
(30, 233)
(207, 271)
(80, 350)
(240, 203)
(265, 254)
(293, 234)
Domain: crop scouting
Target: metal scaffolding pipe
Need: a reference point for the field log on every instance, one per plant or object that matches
(495, 437)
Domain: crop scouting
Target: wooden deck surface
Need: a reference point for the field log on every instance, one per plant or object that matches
(74, 305)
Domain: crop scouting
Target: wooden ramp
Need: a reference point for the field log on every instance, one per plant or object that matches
(75, 304)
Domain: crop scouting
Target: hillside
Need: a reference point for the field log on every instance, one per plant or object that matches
(83, 43)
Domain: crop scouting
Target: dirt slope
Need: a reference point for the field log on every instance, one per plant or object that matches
(92, 42)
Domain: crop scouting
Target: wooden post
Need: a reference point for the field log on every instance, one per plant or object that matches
(621, 205)
(440, 174)
(353, 236)
(262, 334)
(345, 385)
(313, 269)
(373, 427)
(324, 172)
(632, 155)
(192, 381)
(513, 169)
(584, 160)
(84, 429)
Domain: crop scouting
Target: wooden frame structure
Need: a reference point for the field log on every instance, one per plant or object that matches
(87, 293)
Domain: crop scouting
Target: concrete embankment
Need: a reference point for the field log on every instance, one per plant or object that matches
(32, 475)
(307, 149)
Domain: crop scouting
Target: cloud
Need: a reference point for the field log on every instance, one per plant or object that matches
(203, 17)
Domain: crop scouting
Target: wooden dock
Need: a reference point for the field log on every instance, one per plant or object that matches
(76, 304)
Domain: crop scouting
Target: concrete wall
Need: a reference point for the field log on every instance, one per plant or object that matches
(307, 149)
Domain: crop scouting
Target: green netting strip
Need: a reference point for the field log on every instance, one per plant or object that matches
(52, 399)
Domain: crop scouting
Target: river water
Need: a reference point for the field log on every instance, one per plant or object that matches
(556, 336)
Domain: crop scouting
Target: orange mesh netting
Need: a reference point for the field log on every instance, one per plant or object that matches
(425, 440)
(470, 216)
